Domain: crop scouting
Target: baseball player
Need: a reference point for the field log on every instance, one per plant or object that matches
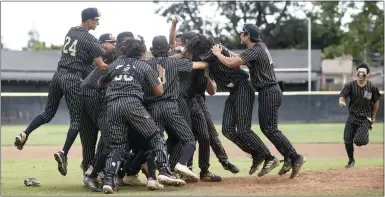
(127, 76)
(238, 106)
(92, 97)
(363, 106)
(96, 100)
(260, 64)
(203, 82)
(165, 110)
(79, 51)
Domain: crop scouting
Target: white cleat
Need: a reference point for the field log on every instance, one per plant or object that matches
(133, 180)
(153, 184)
(185, 171)
(120, 182)
(171, 180)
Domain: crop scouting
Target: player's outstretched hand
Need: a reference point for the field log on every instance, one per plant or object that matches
(342, 104)
(217, 49)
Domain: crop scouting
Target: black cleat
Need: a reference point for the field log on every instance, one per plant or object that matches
(230, 167)
(268, 166)
(61, 162)
(20, 140)
(297, 165)
(210, 177)
(109, 185)
(286, 166)
(351, 164)
(256, 163)
(92, 184)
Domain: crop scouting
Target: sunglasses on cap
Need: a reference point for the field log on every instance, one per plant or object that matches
(244, 30)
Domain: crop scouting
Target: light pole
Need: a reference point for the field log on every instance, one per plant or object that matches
(309, 53)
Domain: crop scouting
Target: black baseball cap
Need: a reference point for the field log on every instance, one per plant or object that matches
(107, 38)
(90, 13)
(187, 36)
(251, 29)
(160, 42)
(123, 35)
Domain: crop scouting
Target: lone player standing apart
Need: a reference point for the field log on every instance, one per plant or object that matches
(363, 106)
(258, 60)
(79, 51)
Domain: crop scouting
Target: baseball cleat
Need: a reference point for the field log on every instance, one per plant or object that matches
(351, 164)
(168, 179)
(153, 184)
(255, 166)
(61, 162)
(92, 184)
(89, 170)
(83, 181)
(268, 166)
(230, 167)
(297, 165)
(132, 180)
(109, 185)
(185, 171)
(286, 166)
(20, 140)
(210, 177)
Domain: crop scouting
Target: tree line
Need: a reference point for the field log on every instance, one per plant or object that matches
(361, 37)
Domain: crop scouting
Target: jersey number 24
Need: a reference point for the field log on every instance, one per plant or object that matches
(71, 49)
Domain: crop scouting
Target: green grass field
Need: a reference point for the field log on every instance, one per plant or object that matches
(14, 171)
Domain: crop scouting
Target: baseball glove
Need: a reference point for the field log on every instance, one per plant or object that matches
(31, 182)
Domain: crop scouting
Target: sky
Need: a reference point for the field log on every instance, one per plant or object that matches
(54, 19)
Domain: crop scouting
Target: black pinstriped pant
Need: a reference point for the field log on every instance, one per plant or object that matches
(195, 117)
(270, 99)
(65, 83)
(236, 122)
(215, 142)
(167, 115)
(92, 122)
(357, 132)
(126, 112)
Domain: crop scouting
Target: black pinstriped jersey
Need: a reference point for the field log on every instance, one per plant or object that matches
(260, 64)
(127, 78)
(361, 99)
(79, 50)
(225, 77)
(92, 79)
(170, 79)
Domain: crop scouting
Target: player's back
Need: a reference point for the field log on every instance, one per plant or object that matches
(79, 50)
(128, 78)
(170, 79)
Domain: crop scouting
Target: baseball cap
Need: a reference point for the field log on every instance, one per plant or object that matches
(123, 35)
(107, 38)
(187, 36)
(251, 29)
(90, 13)
(160, 42)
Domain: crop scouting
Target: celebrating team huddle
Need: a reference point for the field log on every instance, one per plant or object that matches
(111, 86)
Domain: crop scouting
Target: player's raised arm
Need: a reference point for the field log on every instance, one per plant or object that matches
(172, 36)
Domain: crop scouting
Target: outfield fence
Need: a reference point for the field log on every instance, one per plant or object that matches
(297, 107)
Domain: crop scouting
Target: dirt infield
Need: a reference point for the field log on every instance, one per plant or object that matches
(308, 183)
(309, 150)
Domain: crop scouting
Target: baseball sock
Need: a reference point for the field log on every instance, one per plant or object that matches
(71, 136)
(186, 153)
(36, 123)
(350, 150)
(100, 162)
